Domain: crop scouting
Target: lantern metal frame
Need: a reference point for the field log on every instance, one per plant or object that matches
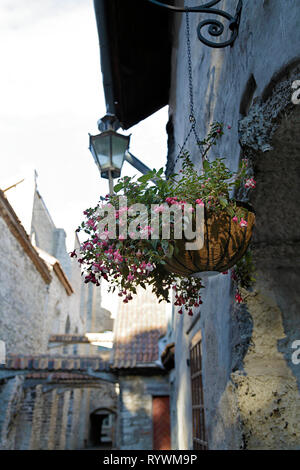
(108, 126)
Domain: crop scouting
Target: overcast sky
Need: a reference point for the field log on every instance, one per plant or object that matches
(51, 96)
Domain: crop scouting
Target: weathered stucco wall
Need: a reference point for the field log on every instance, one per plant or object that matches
(251, 394)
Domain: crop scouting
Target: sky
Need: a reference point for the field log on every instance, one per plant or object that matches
(51, 97)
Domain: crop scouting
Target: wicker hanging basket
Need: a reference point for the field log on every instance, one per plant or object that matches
(225, 242)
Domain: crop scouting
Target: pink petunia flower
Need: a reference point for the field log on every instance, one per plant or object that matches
(243, 223)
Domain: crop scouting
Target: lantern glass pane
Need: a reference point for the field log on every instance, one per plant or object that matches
(119, 147)
(101, 146)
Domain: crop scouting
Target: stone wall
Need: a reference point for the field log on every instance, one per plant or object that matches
(37, 300)
(135, 410)
(23, 297)
(251, 387)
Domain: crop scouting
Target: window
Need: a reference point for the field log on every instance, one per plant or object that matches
(199, 434)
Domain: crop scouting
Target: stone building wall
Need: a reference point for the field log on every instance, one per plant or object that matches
(251, 387)
(23, 297)
(39, 298)
(135, 410)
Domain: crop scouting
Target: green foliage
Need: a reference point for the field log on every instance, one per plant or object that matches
(129, 263)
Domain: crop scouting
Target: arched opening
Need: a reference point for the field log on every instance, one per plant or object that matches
(102, 429)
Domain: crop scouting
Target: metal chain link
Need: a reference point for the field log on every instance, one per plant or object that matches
(191, 94)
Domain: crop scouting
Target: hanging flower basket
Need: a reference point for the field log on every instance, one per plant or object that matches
(133, 255)
(225, 242)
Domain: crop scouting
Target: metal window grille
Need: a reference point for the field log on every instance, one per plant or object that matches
(199, 434)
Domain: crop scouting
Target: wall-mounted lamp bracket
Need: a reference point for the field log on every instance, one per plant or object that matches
(215, 27)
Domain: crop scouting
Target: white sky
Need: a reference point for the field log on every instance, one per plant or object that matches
(51, 96)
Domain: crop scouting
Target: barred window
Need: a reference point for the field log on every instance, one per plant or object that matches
(199, 434)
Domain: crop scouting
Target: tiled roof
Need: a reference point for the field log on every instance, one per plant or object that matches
(54, 363)
(68, 338)
(60, 376)
(138, 326)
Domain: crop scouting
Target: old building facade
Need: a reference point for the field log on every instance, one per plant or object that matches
(48, 399)
(249, 381)
(60, 388)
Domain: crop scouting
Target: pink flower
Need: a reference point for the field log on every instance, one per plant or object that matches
(142, 265)
(147, 230)
(91, 223)
(159, 209)
(250, 183)
(199, 202)
(121, 237)
(133, 235)
(234, 219)
(243, 223)
(149, 267)
(87, 246)
(130, 277)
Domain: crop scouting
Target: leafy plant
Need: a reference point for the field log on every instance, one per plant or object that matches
(139, 259)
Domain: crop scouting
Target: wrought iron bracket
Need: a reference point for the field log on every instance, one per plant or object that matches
(215, 27)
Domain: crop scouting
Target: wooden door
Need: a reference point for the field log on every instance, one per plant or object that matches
(161, 423)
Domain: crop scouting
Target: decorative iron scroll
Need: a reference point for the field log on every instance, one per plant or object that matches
(215, 27)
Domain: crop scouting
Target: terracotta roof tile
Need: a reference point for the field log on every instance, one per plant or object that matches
(54, 363)
(138, 326)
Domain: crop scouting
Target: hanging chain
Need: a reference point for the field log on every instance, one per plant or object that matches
(192, 118)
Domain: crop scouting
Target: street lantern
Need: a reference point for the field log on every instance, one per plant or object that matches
(108, 149)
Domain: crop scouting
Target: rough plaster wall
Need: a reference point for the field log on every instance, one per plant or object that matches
(268, 395)
(220, 78)
(272, 145)
(61, 305)
(23, 295)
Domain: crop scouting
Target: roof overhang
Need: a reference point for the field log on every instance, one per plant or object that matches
(135, 51)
